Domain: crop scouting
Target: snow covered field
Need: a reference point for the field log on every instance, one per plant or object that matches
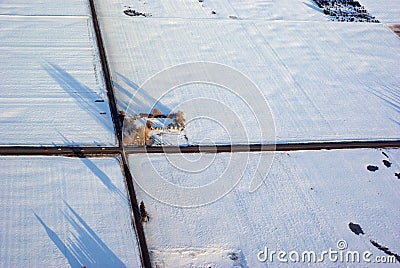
(44, 8)
(323, 80)
(318, 80)
(52, 86)
(306, 202)
(385, 11)
(223, 9)
(57, 211)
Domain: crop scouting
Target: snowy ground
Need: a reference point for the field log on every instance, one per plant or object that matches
(305, 203)
(224, 9)
(44, 8)
(52, 86)
(323, 80)
(57, 211)
(385, 11)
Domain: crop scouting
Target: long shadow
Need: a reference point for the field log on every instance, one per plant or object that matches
(151, 101)
(127, 100)
(68, 254)
(85, 247)
(392, 98)
(88, 245)
(80, 93)
(313, 6)
(97, 171)
(103, 178)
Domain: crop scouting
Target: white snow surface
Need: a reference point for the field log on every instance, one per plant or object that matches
(305, 203)
(51, 76)
(44, 8)
(65, 212)
(323, 80)
(384, 11)
(224, 9)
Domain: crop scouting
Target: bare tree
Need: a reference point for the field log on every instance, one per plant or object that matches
(143, 212)
(180, 118)
(156, 112)
(149, 124)
(143, 136)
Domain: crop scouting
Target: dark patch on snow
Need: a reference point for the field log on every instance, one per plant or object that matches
(356, 228)
(103, 113)
(133, 13)
(99, 101)
(385, 154)
(372, 168)
(233, 256)
(397, 175)
(385, 249)
(395, 28)
(387, 163)
(312, 6)
(345, 11)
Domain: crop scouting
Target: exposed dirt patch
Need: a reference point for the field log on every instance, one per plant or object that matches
(356, 228)
(133, 13)
(395, 28)
(387, 163)
(372, 168)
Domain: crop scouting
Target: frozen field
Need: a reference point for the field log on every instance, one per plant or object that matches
(305, 203)
(52, 86)
(385, 11)
(324, 81)
(57, 211)
(44, 8)
(281, 72)
(224, 9)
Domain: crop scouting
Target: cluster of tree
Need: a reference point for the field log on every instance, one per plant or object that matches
(134, 134)
(139, 135)
(343, 10)
(324, 3)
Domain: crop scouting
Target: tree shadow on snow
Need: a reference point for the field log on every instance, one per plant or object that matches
(392, 98)
(83, 246)
(313, 6)
(103, 177)
(127, 100)
(146, 104)
(84, 96)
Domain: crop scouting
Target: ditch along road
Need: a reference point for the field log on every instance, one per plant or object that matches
(97, 151)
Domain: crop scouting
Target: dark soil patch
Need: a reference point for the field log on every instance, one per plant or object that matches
(356, 228)
(387, 163)
(395, 28)
(372, 168)
(133, 13)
